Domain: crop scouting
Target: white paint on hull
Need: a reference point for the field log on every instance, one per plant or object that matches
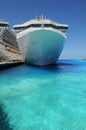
(41, 47)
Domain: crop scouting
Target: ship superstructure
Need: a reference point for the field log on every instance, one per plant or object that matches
(8, 43)
(41, 40)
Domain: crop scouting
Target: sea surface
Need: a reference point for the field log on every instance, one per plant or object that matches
(44, 98)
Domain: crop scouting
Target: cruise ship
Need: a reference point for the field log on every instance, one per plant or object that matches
(8, 42)
(41, 40)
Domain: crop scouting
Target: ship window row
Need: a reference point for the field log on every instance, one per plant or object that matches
(10, 42)
(10, 39)
(8, 36)
(41, 25)
(9, 33)
(5, 34)
(3, 25)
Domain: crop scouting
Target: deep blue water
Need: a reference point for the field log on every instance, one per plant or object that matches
(44, 98)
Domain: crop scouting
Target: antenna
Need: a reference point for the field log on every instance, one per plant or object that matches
(42, 16)
(36, 17)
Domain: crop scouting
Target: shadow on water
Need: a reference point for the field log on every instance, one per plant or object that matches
(60, 67)
(4, 125)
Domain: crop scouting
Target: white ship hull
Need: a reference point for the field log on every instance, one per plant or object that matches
(41, 46)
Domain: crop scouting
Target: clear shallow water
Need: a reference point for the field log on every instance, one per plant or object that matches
(44, 98)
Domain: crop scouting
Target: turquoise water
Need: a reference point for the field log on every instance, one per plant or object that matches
(44, 98)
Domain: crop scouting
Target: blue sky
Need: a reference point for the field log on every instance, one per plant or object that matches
(71, 12)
